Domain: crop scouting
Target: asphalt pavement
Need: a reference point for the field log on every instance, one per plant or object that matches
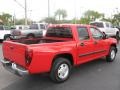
(96, 75)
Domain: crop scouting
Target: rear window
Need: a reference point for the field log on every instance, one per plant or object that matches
(7, 27)
(97, 24)
(34, 26)
(42, 26)
(1, 27)
(62, 32)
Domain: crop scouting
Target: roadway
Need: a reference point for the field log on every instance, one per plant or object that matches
(96, 75)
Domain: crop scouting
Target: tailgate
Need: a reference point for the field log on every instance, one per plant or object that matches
(14, 52)
(15, 32)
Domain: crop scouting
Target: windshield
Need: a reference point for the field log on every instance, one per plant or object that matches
(7, 28)
(62, 32)
(97, 24)
(34, 26)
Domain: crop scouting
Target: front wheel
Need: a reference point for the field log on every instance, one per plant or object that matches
(112, 54)
(60, 71)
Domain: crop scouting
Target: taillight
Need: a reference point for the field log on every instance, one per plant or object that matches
(19, 33)
(28, 56)
(16, 32)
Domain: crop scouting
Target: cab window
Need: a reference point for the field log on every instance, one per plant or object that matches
(83, 33)
(107, 25)
(42, 26)
(61, 32)
(97, 24)
(96, 34)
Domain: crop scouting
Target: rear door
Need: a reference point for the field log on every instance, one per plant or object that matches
(85, 45)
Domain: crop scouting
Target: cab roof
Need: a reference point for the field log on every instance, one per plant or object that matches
(68, 25)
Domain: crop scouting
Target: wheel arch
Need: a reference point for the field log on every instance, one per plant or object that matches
(31, 34)
(64, 55)
(6, 35)
(114, 45)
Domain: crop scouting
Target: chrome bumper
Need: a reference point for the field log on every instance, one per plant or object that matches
(14, 68)
(17, 37)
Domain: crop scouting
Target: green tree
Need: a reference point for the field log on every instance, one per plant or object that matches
(6, 18)
(49, 20)
(84, 21)
(116, 19)
(107, 19)
(61, 14)
(19, 21)
(22, 21)
(93, 15)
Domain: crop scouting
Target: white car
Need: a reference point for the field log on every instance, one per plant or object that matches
(4, 33)
(107, 28)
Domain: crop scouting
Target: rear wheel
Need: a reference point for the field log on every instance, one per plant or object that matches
(112, 54)
(60, 71)
(7, 38)
(117, 35)
(30, 36)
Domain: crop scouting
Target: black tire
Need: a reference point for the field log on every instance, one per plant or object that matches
(7, 37)
(112, 54)
(31, 36)
(117, 35)
(56, 67)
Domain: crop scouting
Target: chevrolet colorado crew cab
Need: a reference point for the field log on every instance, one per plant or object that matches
(107, 28)
(64, 46)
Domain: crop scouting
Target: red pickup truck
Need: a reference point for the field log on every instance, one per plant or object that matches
(64, 46)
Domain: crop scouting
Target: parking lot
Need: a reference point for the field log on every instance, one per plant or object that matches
(96, 75)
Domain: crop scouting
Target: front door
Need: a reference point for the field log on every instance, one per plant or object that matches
(85, 45)
(100, 44)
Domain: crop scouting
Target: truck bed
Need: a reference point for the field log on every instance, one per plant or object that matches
(15, 51)
(40, 40)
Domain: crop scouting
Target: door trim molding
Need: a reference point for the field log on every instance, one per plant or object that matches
(100, 51)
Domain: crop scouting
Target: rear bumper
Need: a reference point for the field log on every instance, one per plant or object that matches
(17, 37)
(14, 68)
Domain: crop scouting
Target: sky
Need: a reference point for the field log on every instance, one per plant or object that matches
(38, 9)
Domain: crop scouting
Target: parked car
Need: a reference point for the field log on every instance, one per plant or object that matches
(19, 27)
(4, 32)
(107, 28)
(63, 47)
(36, 30)
(118, 27)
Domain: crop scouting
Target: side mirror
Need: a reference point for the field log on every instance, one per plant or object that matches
(105, 36)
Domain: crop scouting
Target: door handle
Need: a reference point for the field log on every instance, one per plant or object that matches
(11, 47)
(82, 44)
(95, 42)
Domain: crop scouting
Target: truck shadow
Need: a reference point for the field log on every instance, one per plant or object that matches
(42, 82)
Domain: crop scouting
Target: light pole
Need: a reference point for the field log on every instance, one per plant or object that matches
(25, 12)
(48, 8)
(14, 17)
(75, 12)
(25, 8)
